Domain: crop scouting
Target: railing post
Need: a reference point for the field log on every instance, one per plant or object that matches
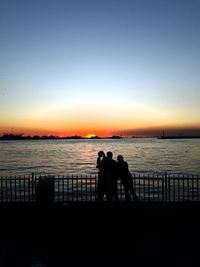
(32, 189)
(166, 185)
(1, 179)
(29, 190)
(95, 187)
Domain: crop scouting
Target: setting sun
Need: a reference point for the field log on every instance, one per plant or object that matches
(90, 135)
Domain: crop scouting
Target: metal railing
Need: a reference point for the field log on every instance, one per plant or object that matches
(165, 187)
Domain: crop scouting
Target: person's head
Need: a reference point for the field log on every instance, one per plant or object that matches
(109, 155)
(120, 158)
(100, 153)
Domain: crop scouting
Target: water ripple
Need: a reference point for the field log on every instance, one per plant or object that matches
(79, 156)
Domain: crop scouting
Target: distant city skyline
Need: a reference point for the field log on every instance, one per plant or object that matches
(99, 67)
(139, 132)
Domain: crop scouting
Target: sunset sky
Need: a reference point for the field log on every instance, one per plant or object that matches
(100, 66)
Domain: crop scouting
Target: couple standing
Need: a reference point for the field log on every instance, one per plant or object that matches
(109, 173)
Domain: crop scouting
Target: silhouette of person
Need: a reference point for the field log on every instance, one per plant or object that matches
(126, 179)
(111, 177)
(101, 183)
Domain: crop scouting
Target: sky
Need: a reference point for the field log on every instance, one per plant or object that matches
(100, 66)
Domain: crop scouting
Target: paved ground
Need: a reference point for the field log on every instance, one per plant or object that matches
(90, 234)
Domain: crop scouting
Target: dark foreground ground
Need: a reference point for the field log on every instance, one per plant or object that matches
(90, 234)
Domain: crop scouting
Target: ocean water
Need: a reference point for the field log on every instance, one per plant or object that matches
(78, 157)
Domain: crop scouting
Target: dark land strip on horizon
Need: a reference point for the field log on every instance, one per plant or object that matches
(91, 138)
(179, 137)
(52, 137)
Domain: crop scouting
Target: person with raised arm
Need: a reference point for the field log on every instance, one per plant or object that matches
(101, 183)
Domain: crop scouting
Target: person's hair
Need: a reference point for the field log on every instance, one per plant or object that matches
(100, 153)
(120, 158)
(109, 154)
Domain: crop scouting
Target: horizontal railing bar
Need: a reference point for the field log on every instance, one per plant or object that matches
(95, 175)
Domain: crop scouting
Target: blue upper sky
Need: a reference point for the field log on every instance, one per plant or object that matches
(64, 61)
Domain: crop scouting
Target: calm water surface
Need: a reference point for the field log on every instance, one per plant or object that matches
(79, 156)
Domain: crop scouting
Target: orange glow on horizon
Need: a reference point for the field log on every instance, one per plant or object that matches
(89, 135)
(94, 130)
